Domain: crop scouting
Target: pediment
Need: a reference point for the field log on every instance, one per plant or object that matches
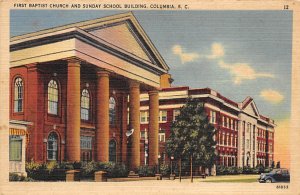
(251, 109)
(122, 36)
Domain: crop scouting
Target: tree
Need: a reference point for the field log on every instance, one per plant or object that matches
(192, 136)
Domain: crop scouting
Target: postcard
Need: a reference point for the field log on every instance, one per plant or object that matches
(157, 97)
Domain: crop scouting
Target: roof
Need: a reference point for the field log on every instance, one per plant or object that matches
(133, 40)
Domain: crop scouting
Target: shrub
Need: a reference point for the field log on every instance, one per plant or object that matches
(239, 170)
(36, 171)
(89, 168)
(248, 170)
(146, 171)
(50, 166)
(113, 169)
(164, 169)
(66, 165)
(15, 177)
(50, 171)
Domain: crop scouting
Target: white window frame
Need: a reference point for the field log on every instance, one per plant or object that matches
(54, 150)
(19, 94)
(85, 105)
(144, 114)
(53, 97)
(213, 115)
(86, 142)
(161, 116)
(162, 137)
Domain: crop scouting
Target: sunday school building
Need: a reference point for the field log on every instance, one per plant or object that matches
(83, 91)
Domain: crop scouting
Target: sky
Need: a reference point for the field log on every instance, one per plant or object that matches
(237, 53)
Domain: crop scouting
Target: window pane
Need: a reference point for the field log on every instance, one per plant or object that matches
(112, 151)
(18, 99)
(52, 97)
(15, 150)
(112, 110)
(52, 146)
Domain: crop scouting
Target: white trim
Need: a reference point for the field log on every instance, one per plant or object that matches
(18, 122)
(207, 105)
(170, 106)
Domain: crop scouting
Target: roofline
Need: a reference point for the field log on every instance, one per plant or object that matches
(218, 97)
(88, 24)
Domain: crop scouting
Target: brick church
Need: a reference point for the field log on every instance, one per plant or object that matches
(75, 92)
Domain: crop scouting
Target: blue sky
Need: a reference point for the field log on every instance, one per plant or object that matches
(237, 53)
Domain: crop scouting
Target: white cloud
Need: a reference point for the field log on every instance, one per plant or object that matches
(272, 96)
(243, 71)
(184, 56)
(217, 51)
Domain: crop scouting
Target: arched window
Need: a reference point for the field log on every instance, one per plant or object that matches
(112, 151)
(18, 99)
(112, 110)
(52, 97)
(85, 104)
(52, 146)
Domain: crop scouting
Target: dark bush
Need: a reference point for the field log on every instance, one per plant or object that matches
(113, 169)
(146, 171)
(15, 177)
(164, 169)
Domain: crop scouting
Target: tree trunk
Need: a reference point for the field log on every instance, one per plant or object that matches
(192, 168)
(180, 170)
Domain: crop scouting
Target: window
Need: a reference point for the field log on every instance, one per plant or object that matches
(52, 147)
(112, 151)
(213, 117)
(112, 110)
(227, 139)
(271, 147)
(85, 142)
(163, 116)
(235, 141)
(161, 137)
(143, 134)
(18, 99)
(236, 125)
(15, 148)
(144, 116)
(85, 105)
(223, 139)
(52, 97)
(176, 113)
(231, 124)
(227, 123)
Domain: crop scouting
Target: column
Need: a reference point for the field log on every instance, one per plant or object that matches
(102, 124)
(73, 111)
(153, 127)
(240, 144)
(134, 121)
(255, 146)
(124, 127)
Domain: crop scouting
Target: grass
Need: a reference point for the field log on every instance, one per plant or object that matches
(246, 180)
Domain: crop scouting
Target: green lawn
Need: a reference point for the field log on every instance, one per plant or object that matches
(247, 180)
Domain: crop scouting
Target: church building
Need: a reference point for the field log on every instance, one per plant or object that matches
(75, 92)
